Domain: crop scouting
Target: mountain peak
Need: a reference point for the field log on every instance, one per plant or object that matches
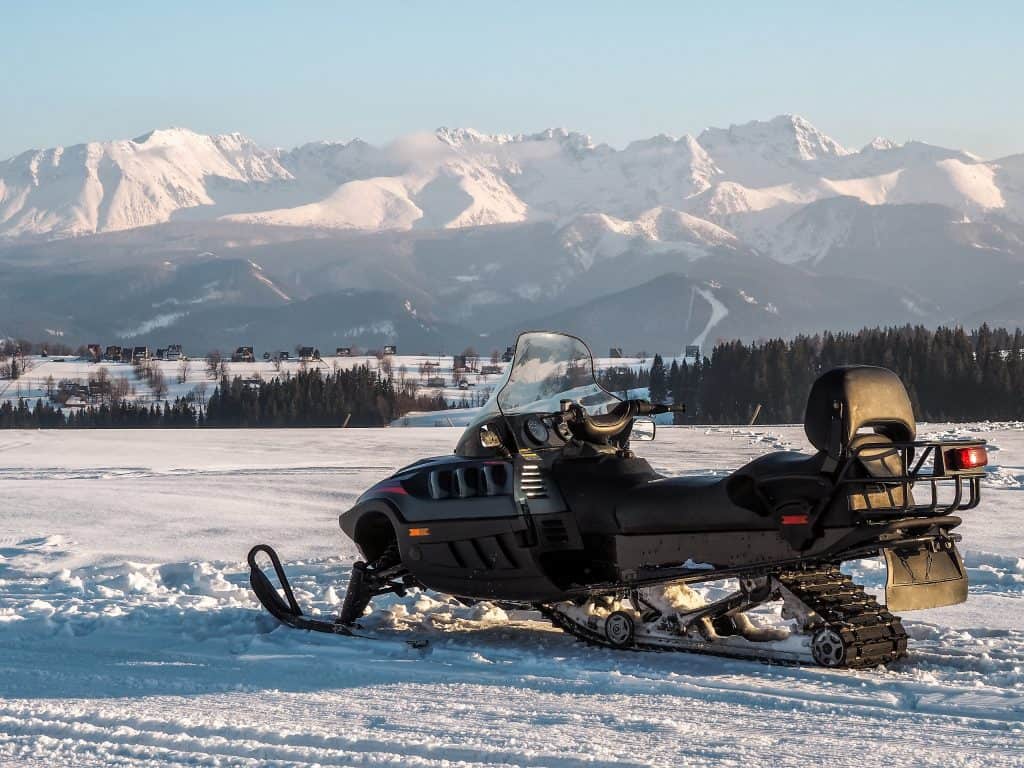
(786, 135)
(879, 144)
(468, 137)
(459, 137)
(166, 135)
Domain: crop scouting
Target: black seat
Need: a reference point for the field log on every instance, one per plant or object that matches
(708, 503)
(842, 402)
(787, 484)
(684, 504)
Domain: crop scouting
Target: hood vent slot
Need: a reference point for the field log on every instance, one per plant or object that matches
(532, 482)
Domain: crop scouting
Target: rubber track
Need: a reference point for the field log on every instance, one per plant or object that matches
(872, 635)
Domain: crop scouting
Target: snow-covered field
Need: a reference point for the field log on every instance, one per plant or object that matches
(128, 635)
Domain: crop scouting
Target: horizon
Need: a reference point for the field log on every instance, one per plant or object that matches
(851, 147)
(285, 78)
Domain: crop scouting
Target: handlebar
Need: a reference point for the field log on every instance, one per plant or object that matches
(599, 429)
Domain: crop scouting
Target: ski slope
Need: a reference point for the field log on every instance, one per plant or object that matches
(128, 635)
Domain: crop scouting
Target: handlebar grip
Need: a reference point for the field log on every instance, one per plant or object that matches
(645, 408)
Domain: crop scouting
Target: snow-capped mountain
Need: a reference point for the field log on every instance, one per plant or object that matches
(116, 185)
(764, 221)
(746, 178)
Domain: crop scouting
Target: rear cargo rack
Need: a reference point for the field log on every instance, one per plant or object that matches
(922, 462)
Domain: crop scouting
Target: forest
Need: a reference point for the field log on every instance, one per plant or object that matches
(951, 375)
(356, 397)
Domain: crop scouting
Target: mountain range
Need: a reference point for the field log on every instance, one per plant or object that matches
(453, 238)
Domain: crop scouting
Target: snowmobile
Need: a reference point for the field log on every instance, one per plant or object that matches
(545, 506)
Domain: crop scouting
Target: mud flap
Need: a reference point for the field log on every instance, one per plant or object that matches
(924, 578)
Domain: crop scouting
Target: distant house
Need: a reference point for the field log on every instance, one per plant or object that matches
(282, 355)
(435, 381)
(692, 351)
(309, 353)
(490, 370)
(173, 352)
(243, 355)
(113, 354)
(390, 349)
(161, 353)
(95, 353)
(140, 354)
(343, 352)
(459, 364)
(507, 355)
(615, 352)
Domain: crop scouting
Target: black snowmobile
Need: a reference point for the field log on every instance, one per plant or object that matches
(544, 506)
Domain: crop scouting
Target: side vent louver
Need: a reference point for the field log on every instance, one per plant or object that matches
(554, 531)
(467, 482)
(532, 482)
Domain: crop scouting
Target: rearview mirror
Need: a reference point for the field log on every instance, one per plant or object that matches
(643, 429)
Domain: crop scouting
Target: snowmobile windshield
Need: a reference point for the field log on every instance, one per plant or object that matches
(548, 368)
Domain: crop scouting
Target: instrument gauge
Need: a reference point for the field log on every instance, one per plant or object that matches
(536, 430)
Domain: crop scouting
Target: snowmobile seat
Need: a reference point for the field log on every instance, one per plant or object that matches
(847, 400)
(684, 505)
(702, 503)
(848, 408)
(776, 478)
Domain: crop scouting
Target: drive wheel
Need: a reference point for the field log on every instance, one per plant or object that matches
(620, 629)
(828, 648)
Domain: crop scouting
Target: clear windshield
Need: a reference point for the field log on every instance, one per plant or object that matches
(549, 368)
(546, 369)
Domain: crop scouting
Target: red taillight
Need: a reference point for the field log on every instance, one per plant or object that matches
(968, 458)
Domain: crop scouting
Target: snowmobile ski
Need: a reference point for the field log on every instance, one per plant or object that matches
(286, 609)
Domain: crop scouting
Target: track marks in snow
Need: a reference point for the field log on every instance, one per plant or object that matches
(119, 660)
(174, 664)
(135, 473)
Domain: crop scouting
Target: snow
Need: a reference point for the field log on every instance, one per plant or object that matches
(33, 381)
(129, 636)
(595, 236)
(119, 185)
(32, 384)
(724, 186)
(718, 313)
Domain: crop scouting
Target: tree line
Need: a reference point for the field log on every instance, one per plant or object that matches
(950, 374)
(357, 397)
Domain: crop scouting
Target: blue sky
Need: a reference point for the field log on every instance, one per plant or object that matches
(285, 73)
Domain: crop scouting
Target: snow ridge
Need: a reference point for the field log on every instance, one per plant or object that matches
(734, 184)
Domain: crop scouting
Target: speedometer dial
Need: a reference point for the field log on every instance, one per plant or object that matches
(536, 430)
